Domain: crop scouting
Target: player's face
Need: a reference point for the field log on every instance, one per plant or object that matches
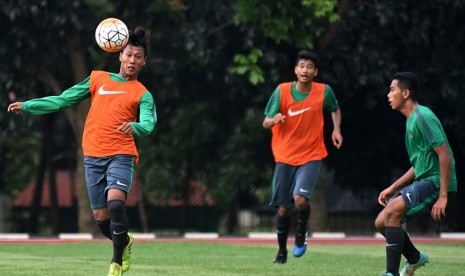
(305, 71)
(396, 95)
(132, 60)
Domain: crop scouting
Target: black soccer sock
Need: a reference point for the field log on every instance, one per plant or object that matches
(394, 244)
(104, 227)
(409, 250)
(119, 228)
(302, 219)
(282, 227)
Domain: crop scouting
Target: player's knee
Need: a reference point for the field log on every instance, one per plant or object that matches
(284, 212)
(101, 214)
(393, 214)
(117, 209)
(300, 202)
(379, 224)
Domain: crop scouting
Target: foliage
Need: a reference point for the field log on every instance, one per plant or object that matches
(296, 22)
(378, 39)
(212, 68)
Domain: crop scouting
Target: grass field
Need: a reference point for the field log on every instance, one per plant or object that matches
(197, 258)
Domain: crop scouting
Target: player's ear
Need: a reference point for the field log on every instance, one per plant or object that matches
(406, 93)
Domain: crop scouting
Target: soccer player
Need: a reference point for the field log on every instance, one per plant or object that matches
(121, 108)
(295, 116)
(425, 187)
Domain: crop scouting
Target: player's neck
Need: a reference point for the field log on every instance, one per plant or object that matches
(304, 87)
(408, 108)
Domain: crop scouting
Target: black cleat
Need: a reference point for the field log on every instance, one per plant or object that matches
(281, 258)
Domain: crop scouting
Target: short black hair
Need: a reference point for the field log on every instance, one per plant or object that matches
(410, 81)
(140, 37)
(307, 55)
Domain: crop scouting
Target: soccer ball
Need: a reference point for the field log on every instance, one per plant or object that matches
(112, 35)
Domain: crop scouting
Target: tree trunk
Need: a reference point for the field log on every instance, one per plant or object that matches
(333, 29)
(54, 208)
(141, 209)
(232, 220)
(76, 117)
(34, 211)
(319, 216)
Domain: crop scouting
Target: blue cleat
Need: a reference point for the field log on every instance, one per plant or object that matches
(300, 245)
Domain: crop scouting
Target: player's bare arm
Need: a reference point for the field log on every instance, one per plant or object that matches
(439, 208)
(277, 119)
(16, 108)
(336, 136)
(404, 180)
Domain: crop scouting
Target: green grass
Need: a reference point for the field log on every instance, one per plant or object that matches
(192, 259)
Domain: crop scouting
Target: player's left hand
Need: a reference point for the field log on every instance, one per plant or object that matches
(126, 128)
(439, 209)
(336, 137)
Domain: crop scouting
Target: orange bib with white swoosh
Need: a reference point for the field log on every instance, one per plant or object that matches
(112, 103)
(300, 138)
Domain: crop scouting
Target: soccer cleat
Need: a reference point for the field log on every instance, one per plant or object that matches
(300, 245)
(115, 270)
(409, 269)
(281, 257)
(127, 253)
(387, 274)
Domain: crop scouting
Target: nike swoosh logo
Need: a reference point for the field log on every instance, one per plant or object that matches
(391, 244)
(408, 196)
(119, 183)
(102, 91)
(114, 233)
(303, 191)
(294, 113)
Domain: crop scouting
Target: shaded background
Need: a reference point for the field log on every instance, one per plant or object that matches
(211, 70)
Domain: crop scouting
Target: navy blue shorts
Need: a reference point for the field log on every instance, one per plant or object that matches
(419, 197)
(289, 181)
(104, 173)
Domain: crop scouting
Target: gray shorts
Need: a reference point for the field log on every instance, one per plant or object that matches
(289, 181)
(104, 173)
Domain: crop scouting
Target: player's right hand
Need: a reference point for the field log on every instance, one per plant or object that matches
(278, 119)
(15, 107)
(384, 197)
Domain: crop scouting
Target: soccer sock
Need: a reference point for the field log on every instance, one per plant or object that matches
(394, 244)
(119, 228)
(282, 227)
(104, 227)
(409, 250)
(302, 219)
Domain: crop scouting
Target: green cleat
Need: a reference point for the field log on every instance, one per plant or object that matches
(115, 270)
(127, 253)
(409, 269)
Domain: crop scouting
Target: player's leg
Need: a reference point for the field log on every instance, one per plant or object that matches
(394, 213)
(283, 222)
(305, 181)
(119, 178)
(95, 169)
(419, 198)
(282, 199)
(95, 172)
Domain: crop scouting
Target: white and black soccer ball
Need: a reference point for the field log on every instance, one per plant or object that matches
(112, 35)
